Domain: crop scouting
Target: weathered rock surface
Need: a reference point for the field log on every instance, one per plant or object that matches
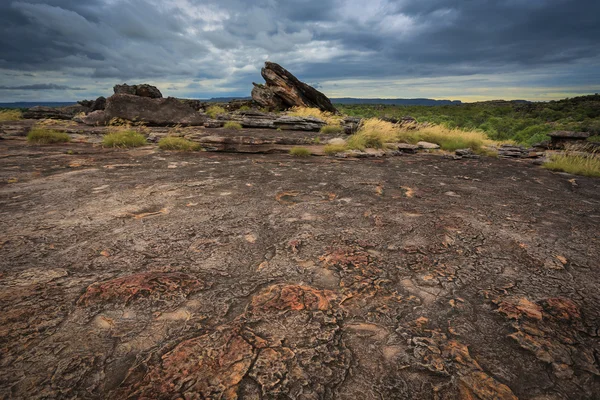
(560, 139)
(143, 90)
(428, 146)
(151, 111)
(94, 105)
(155, 274)
(257, 119)
(283, 90)
(65, 113)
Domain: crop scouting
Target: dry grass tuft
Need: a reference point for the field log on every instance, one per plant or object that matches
(215, 111)
(373, 133)
(587, 165)
(10, 115)
(41, 135)
(232, 125)
(333, 149)
(178, 143)
(300, 152)
(329, 118)
(124, 139)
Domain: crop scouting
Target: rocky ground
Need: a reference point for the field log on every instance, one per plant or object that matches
(152, 274)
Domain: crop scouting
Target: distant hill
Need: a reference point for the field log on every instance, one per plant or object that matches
(397, 102)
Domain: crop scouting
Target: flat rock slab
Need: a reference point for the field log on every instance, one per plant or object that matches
(152, 274)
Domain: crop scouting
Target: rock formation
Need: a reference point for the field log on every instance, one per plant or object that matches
(66, 113)
(151, 111)
(143, 90)
(283, 90)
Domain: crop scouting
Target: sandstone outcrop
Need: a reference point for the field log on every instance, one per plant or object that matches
(66, 113)
(283, 90)
(150, 111)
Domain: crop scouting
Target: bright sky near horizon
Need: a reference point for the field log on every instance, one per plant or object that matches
(61, 50)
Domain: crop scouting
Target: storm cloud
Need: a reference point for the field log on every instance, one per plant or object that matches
(535, 49)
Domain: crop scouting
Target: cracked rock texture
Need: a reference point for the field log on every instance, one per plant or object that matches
(146, 274)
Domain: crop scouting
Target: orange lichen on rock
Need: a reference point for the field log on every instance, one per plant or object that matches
(149, 285)
(519, 308)
(292, 297)
(209, 366)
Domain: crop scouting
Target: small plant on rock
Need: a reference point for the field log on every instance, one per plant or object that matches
(125, 139)
(40, 135)
(232, 125)
(178, 143)
(331, 129)
(300, 152)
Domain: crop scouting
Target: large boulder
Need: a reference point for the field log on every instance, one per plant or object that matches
(283, 90)
(143, 90)
(152, 112)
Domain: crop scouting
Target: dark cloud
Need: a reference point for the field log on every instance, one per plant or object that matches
(223, 43)
(41, 86)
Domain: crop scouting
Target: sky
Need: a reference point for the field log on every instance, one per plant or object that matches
(469, 50)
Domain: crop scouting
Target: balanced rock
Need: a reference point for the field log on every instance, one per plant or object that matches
(143, 90)
(151, 111)
(283, 90)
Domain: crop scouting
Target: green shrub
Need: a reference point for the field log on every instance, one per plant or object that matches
(10, 115)
(215, 111)
(333, 149)
(232, 125)
(40, 135)
(244, 108)
(575, 164)
(595, 138)
(124, 139)
(300, 151)
(178, 143)
(331, 129)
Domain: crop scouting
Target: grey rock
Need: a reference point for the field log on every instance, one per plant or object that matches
(428, 146)
(152, 111)
(407, 148)
(65, 113)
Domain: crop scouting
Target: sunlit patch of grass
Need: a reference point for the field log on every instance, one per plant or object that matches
(10, 115)
(178, 143)
(232, 125)
(332, 129)
(215, 111)
(41, 135)
(329, 118)
(373, 133)
(333, 149)
(124, 138)
(300, 152)
(448, 139)
(587, 165)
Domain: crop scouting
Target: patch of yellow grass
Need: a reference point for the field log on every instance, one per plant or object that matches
(587, 165)
(373, 133)
(41, 135)
(448, 139)
(124, 138)
(10, 115)
(329, 118)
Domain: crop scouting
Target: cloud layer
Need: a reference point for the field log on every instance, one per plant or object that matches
(537, 49)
